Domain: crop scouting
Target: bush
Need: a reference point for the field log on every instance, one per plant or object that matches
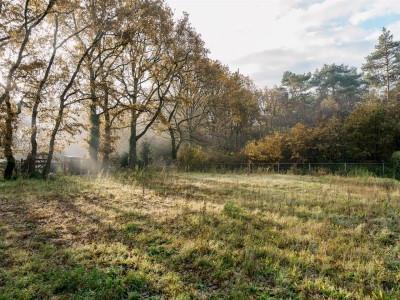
(2, 167)
(192, 157)
(396, 158)
(122, 160)
(268, 149)
(195, 158)
(396, 162)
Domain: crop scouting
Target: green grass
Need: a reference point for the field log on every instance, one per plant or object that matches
(200, 236)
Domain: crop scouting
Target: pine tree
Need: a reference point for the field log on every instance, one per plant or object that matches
(383, 65)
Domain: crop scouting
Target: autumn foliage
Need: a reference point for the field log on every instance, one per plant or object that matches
(106, 73)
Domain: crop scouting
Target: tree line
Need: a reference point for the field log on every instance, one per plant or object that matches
(99, 68)
(335, 114)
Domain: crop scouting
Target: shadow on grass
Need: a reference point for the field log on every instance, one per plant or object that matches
(74, 239)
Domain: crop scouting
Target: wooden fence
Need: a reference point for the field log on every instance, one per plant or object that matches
(69, 165)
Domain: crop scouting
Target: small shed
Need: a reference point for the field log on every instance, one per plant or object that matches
(73, 165)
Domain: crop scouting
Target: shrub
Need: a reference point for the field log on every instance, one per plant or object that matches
(396, 162)
(268, 149)
(396, 158)
(122, 160)
(192, 157)
(145, 154)
(195, 158)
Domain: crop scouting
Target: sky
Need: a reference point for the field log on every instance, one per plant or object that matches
(264, 38)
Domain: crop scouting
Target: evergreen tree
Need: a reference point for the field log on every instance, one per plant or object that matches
(383, 65)
(298, 85)
(340, 82)
(146, 153)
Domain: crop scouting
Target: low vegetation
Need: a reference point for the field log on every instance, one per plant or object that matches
(200, 236)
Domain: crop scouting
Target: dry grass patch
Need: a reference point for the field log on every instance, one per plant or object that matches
(200, 236)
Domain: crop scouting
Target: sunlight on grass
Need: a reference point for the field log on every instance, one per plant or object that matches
(202, 236)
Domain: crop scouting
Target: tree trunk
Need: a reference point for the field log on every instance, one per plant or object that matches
(107, 138)
(34, 146)
(387, 77)
(133, 142)
(133, 138)
(190, 132)
(107, 141)
(46, 169)
(174, 150)
(94, 140)
(8, 139)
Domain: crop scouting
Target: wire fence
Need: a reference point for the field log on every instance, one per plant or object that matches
(382, 169)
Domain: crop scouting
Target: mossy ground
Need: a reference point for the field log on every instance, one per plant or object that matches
(200, 236)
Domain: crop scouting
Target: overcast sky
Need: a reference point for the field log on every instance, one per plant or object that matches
(264, 38)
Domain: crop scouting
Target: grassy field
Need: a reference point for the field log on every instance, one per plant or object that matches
(200, 236)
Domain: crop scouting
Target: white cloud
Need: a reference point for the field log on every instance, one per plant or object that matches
(265, 38)
(272, 63)
(375, 9)
(395, 29)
